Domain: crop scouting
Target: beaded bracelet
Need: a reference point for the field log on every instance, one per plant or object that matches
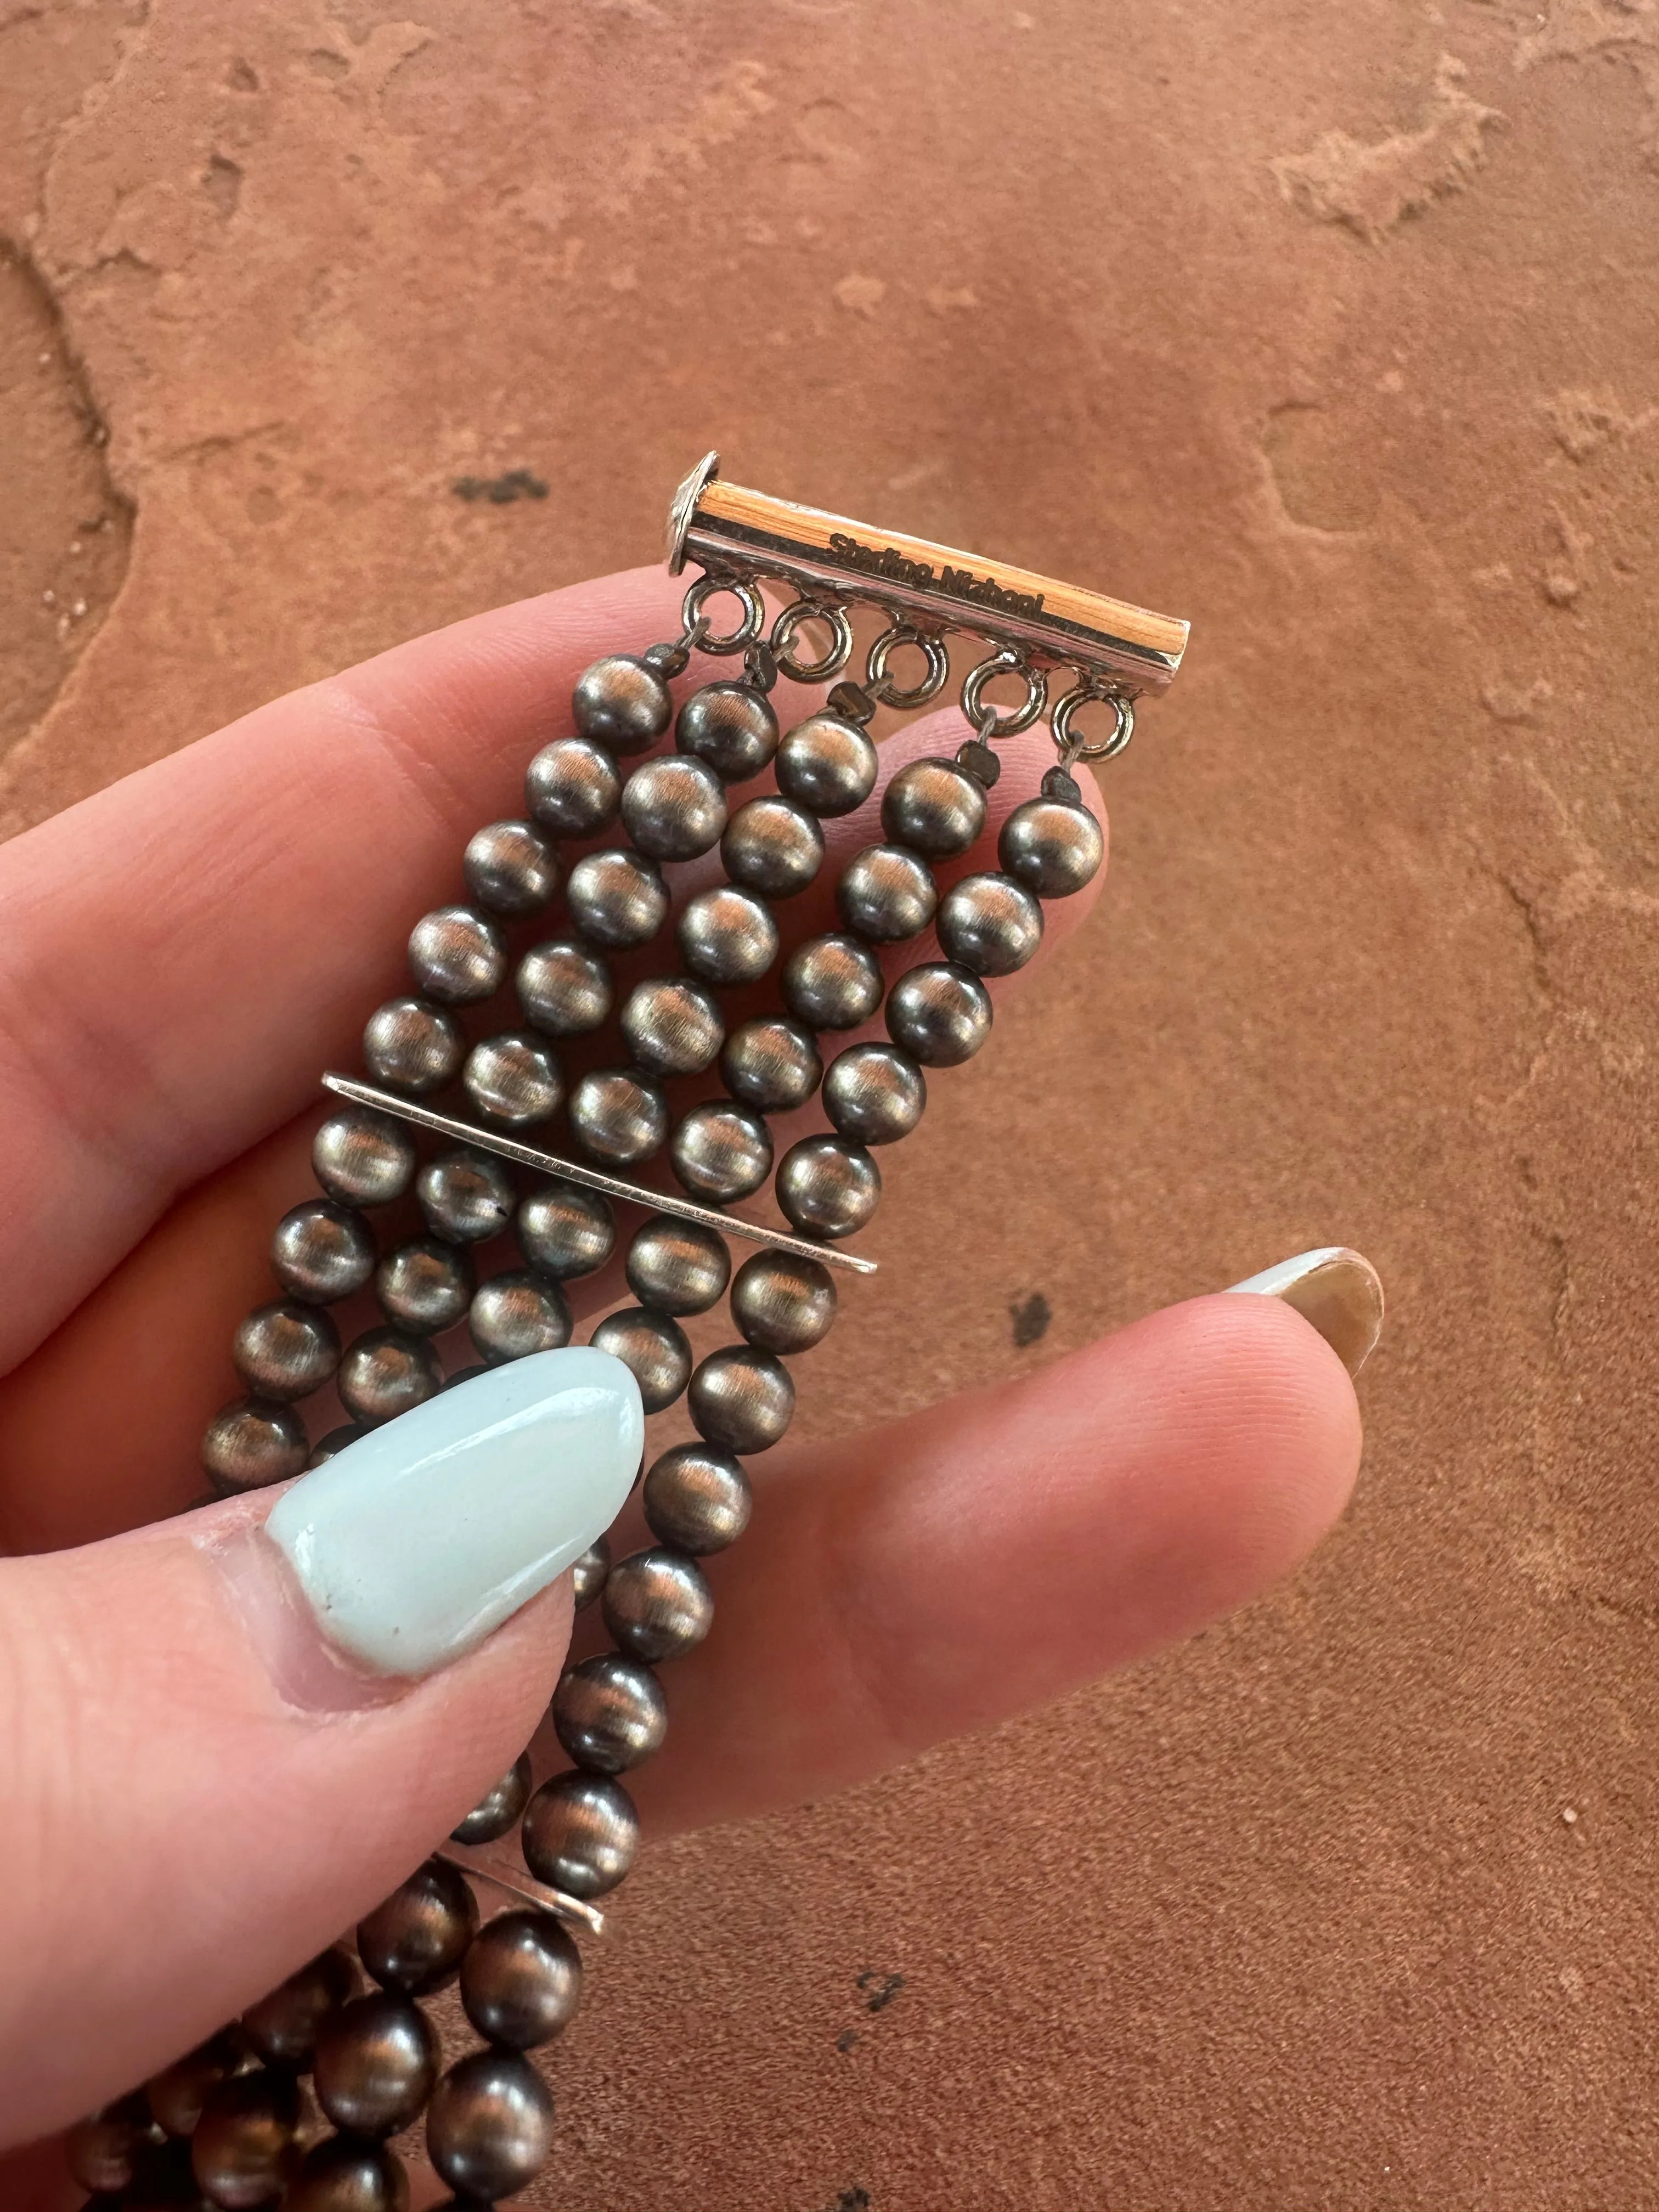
(227, 2120)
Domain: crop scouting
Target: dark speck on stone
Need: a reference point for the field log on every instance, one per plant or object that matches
(500, 491)
(846, 2039)
(1031, 1317)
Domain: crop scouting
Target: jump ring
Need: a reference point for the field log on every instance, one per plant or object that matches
(1075, 747)
(889, 694)
(1008, 722)
(832, 663)
(749, 630)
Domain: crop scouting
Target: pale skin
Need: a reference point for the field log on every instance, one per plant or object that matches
(179, 956)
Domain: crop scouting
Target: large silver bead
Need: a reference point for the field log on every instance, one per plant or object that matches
(828, 1186)
(721, 1152)
(510, 868)
(514, 1080)
(457, 954)
(322, 1252)
(875, 1093)
(782, 1302)
(677, 1266)
(580, 1834)
(522, 1980)
(241, 2149)
(674, 808)
(490, 2125)
(727, 936)
(827, 764)
(934, 807)
(940, 1014)
(425, 1286)
(732, 727)
(772, 846)
(415, 1940)
(178, 2093)
(990, 924)
(696, 1498)
(673, 1027)
(501, 1805)
(466, 1196)
(587, 1573)
(886, 894)
(102, 2150)
(383, 1373)
(286, 1350)
(572, 789)
(412, 1045)
(566, 1230)
(832, 982)
(516, 1314)
(657, 1604)
(1052, 847)
(616, 899)
(771, 1063)
(283, 2026)
(563, 988)
(342, 2174)
(741, 1400)
(363, 1157)
(376, 2060)
(251, 1444)
(610, 1713)
(617, 1116)
(621, 702)
(653, 1347)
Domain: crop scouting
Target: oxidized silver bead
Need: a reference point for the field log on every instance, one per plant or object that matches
(457, 954)
(940, 1014)
(283, 2026)
(610, 1713)
(490, 2125)
(386, 1372)
(514, 1080)
(251, 1444)
(677, 1266)
(335, 1441)
(772, 846)
(782, 1302)
(832, 982)
(522, 1980)
(499, 1807)
(425, 1286)
(990, 924)
(285, 1350)
(730, 726)
(241, 2149)
(657, 1604)
(341, 2175)
(827, 764)
(886, 894)
(588, 1572)
(696, 1498)
(322, 1252)
(466, 1374)
(412, 1045)
(653, 1347)
(516, 1314)
(563, 989)
(566, 1230)
(616, 899)
(1051, 847)
(727, 936)
(621, 702)
(580, 1834)
(828, 1186)
(376, 2060)
(875, 1093)
(617, 1116)
(511, 868)
(102, 2150)
(413, 1942)
(721, 1152)
(466, 1196)
(741, 1400)
(178, 2093)
(363, 1157)
(674, 808)
(673, 1027)
(572, 789)
(934, 807)
(771, 1063)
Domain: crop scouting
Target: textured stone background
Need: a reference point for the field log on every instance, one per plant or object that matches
(1335, 330)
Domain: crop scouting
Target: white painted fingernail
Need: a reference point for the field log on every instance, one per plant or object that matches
(413, 1543)
(1337, 1290)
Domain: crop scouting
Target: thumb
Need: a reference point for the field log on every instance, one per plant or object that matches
(229, 1735)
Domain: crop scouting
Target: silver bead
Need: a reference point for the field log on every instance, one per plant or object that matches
(727, 936)
(616, 899)
(522, 1980)
(731, 726)
(499, 1807)
(376, 2060)
(412, 1045)
(940, 1014)
(588, 1572)
(617, 1116)
(572, 789)
(490, 2125)
(621, 702)
(990, 924)
(251, 1444)
(886, 894)
(322, 1252)
(466, 1196)
(283, 2026)
(363, 1157)
(241, 2149)
(385, 1373)
(413, 1942)
(677, 1266)
(514, 1080)
(178, 2093)
(342, 2174)
(783, 1304)
(934, 807)
(457, 954)
(610, 1713)
(772, 846)
(510, 868)
(875, 1093)
(827, 764)
(771, 1063)
(832, 982)
(657, 1604)
(674, 809)
(828, 1186)
(741, 1400)
(286, 1350)
(563, 989)
(1051, 847)
(516, 1314)
(566, 1230)
(673, 1027)
(696, 1499)
(581, 1832)
(326, 1447)
(721, 1152)
(102, 2150)
(425, 1286)
(653, 1346)
(467, 1374)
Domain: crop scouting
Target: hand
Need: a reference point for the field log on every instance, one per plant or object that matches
(179, 956)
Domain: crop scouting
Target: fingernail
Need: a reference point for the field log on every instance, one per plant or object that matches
(1337, 1290)
(412, 1544)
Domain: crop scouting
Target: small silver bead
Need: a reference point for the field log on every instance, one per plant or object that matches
(329, 1447)
(832, 982)
(727, 936)
(886, 894)
(499, 1807)
(674, 809)
(511, 868)
(282, 2027)
(772, 846)
(677, 1266)
(657, 1604)
(721, 1152)
(413, 1942)
(771, 1063)
(696, 1498)
(425, 1286)
(102, 2150)
(179, 2092)
(514, 1080)
(610, 1713)
(466, 1196)
(285, 1350)
(376, 2060)
(342, 2173)
(490, 2125)
(616, 899)
(457, 954)
(581, 1832)
(516, 1314)
(828, 1186)
(386, 1372)
(363, 1158)
(731, 726)
(522, 1981)
(241, 2147)
(827, 764)
(990, 924)
(322, 1252)
(617, 1116)
(467, 1374)
(253, 1443)
(783, 1304)
(741, 1400)
(875, 1093)
(940, 1014)
(1051, 847)
(563, 989)
(566, 1230)
(934, 807)
(412, 1045)
(621, 702)
(654, 1347)
(673, 1027)
(588, 1572)
(572, 789)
